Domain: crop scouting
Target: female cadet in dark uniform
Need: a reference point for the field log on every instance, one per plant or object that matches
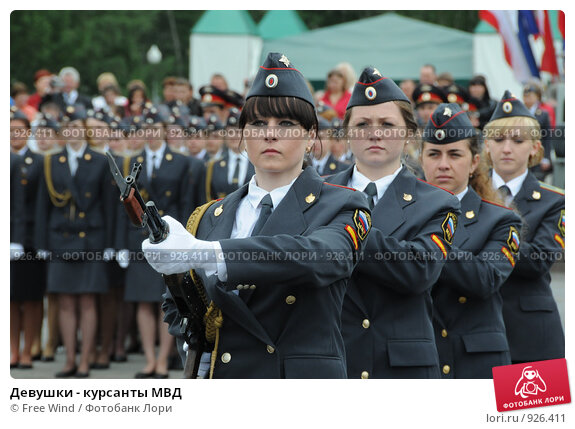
(531, 317)
(164, 180)
(73, 223)
(467, 316)
(28, 275)
(280, 317)
(387, 325)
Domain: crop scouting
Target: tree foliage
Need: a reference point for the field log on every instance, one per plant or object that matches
(117, 41)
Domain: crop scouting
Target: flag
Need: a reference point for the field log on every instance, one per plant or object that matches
(506, 22)
(549, 60)
(516, 27)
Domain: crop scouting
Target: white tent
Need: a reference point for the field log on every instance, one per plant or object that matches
(225, 42)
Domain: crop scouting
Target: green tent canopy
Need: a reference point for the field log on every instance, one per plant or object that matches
(396, 45)
(281, 23)
(225, 22)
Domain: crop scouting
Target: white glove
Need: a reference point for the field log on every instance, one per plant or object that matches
(16, 251)
(180, 251)
(185, 347)
(123, 258)
(43, 254)
(108, 254)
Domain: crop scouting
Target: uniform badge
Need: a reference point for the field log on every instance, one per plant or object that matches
(448, 226)
(28, 160)
(284, 60)
(561, 223)
(169, 157)
(370, 93)
(24, 182)
(407, 197)
(271, 81)
(439, 134)
(447, 111)
(376, 72)
(218, 211)
(168, 193)
(310, 198)
(222, 163)
(353, 236)
(452, 98)
(62, 159)
(362, 222)
(207, 98)
(513, 239)
(140, 159)
(70, 109)
(332, 166)
(470, 214)
(426, 96)
(87, 157)
(536, 195)
(507, 107)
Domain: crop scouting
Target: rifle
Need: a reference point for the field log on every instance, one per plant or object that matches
(187, 299)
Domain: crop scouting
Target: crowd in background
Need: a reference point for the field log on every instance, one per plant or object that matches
(198, 133)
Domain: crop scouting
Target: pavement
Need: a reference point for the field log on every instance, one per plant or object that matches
(136, 362)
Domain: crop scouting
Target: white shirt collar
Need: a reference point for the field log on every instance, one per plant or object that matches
(514, 185)
(76, 153)
(359, 181)
(462, 194)
(255, 193)
(159, 153)
(201, 154)
(22, 151)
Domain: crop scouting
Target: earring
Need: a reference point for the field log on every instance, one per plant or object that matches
(308, 150)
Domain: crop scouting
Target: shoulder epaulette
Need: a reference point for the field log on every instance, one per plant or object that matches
(551, 188)
(437, 186)
(339, 186)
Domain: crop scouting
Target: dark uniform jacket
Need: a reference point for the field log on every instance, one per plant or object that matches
(387, 313)
(531, 317)
(468, 319)
(332, 166)
(31, 177)
(287, 323)
(217, 185)
(81, 219)
(17, 201)
(197, 184)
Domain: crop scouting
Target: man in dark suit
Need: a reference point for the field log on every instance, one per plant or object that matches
(67, 83)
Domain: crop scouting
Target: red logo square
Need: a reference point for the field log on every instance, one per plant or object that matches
(532, 384)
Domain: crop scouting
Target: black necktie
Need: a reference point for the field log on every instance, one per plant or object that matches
(152, 168)
(371, 191)
(267, 205)
(505, 192)
(236, 176)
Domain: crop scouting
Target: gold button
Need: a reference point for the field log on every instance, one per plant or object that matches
(446, 369)
(270, 349)
(252, 287)
(365, 323)
(82, 234)
(81, 215)
(226, 357)
(365, 375)
(443, 333)
(161, 212)
(24, 181)
(462, 300)
(239, 287)
(290, 299)
(88, 194)
(168, 193)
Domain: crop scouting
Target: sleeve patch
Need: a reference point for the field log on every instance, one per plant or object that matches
(561, 223)
(353, 236)
(513, 239)
(560, 240)
(362, 221)
(508, 255)
(448, 226)
(440, 244)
